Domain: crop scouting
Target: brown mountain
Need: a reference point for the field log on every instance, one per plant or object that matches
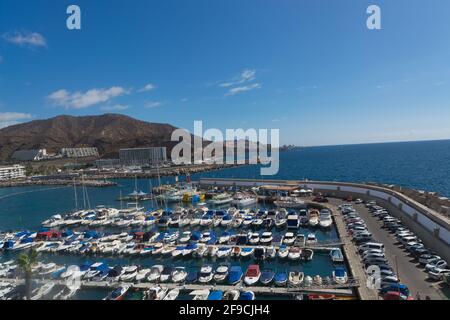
(108, 132)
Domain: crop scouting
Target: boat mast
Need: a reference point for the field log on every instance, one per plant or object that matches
(75, 191)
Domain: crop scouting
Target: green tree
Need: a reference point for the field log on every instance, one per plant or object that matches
(26, 262)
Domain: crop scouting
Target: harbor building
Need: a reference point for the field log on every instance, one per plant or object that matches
(143, 156)
(107, 163)
(29, 155)
(79, 152)
(12, 172)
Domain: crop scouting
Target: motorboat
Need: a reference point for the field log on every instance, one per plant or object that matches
(226, 220)
(308, 281)
(267, 276)
(313, 218)
(201, 294)
(311, 239)
(185, 237)
(179, 274)
(292, 221)
(271, 252)
(259, 253)
(221, 273)
(281, 278)
(235, 275)
(283, 251)
(172, 294)
(266, 237)
(252, 275)
(294, 253)
(155, 293)
(223, 252)
(225, 237)
(296, 278)
(231, 295)
(165, 274)
(247, 295)
(288, 238)
(246, 252)
(192, 276)
(317, 280)
(340, 276)
(253, 238)
(206, 274)
(242, 200)
(118, 294)
(215, 295)
(129, 274)
(220, 199)
(336, 255)
(307, 254)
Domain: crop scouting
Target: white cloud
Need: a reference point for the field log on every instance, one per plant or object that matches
(11, 118)
(30, 39)
(245, 76)
(241, 89)
(153, 104)
(80, 100)
(117, 107)
(148, 87)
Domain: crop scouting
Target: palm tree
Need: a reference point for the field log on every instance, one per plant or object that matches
(26, 262)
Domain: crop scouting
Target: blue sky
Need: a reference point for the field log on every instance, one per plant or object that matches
(310, 68)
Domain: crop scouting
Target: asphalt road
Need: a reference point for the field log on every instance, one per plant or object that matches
(408, 270)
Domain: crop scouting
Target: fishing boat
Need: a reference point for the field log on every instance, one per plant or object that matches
(201, 294)
(252, 275)
(294, 253)
(325, 218)
(95, 269)
(247, 295)
(226, 220)
(257, 222)
(157, 248)
(292, 221)
(178, 252)
(281, 278)
(206, 274)
(207, 219)
(311, 239)
(235, 275)
(246, 252)
(248, 220)
(307, 254)
(179, 274)
(295, 278)
(118, 294)
(172, 294)
(336, 255)
(221, 273)
(212, 251)
(129, 273)
(189, 249)
(231, 295)
(300, 240)
(267, 276)
(237, 222)
(283, 252)
(167, 250)
(313, 218)
(290, 203)
(340, 276)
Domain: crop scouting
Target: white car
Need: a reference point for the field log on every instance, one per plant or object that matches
(440, 264)
(438, 273)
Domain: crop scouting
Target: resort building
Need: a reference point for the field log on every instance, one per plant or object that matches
(12, 172)
(30, 155)
(143, 156)
(79, 152)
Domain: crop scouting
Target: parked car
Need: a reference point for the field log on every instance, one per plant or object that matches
(428, 258)
(438, 273)
(439, 264)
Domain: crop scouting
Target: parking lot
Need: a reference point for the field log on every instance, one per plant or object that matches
(407, 269)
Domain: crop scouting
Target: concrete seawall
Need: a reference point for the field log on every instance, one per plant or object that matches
(432, 227)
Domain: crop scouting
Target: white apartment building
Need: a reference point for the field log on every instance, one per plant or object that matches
(12, 172)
